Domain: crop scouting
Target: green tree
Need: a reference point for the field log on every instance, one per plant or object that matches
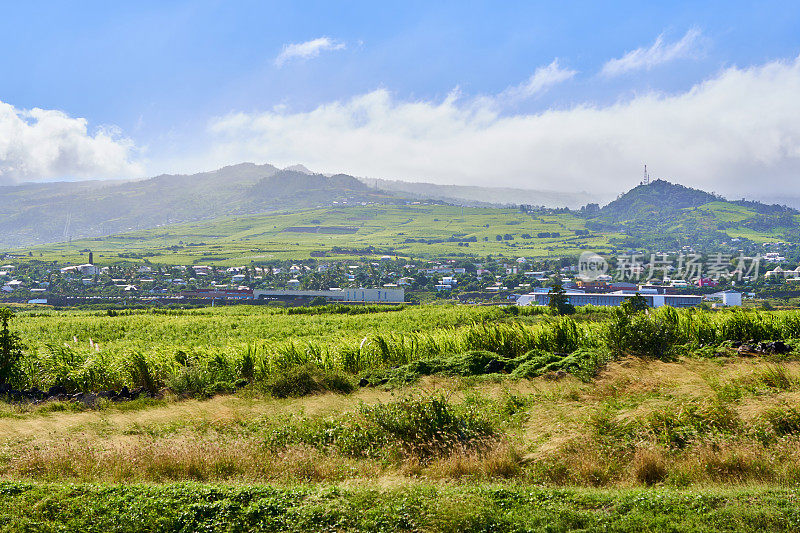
(10, 346)
(635, 304)
(559, 302)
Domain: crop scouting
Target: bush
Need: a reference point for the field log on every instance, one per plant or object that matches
(654, 335)
(784, 420)
(425, 427)
(421, 428)
(10, 346)
(190, 381)
(308, 379)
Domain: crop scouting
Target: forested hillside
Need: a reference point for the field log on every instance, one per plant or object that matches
(52, 212)
(663, 215)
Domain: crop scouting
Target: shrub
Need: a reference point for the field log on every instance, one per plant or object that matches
(427, 426)
(189, 380)
(644, 335)
(141, 372)
(10, 346)
(412, 427)
(308, 379)
(784, 420)
(559, 302)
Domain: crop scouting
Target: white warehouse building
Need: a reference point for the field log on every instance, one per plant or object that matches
(342, 295)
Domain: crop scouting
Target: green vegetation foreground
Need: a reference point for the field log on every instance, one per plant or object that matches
(192, 507)
(408, 418)
(194, 352)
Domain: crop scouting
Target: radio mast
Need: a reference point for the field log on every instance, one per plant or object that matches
(646, 179)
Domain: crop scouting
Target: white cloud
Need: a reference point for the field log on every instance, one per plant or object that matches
(307, 49)
(540, 81)
(41, 144)
(737, 133)
(658, 53)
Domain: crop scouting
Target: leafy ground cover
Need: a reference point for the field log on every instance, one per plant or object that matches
(420, 507)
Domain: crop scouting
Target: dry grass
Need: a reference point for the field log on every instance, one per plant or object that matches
(501, 461)
(179, 459)
(691, 422)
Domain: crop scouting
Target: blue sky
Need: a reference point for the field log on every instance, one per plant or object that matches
(184, 86)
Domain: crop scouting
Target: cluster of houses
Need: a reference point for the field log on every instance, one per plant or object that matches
(382, 279)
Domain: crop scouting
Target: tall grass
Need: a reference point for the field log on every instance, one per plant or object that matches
(196, 350)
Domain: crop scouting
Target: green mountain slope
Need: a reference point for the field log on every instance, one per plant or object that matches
(50, 212)
(663, 215)
(656, 201)
(298, 215)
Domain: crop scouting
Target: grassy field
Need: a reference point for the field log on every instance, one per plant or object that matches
(428, 418)
(237, 240)
(564, 455)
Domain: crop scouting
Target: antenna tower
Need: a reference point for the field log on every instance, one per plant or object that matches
(646, 180)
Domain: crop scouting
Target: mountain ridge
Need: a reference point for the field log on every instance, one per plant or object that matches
(39, 213)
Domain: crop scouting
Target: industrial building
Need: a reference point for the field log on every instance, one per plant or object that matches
(382, 295)
(613, 299)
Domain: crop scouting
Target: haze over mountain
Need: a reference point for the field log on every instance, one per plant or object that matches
(474, 195)
(57, 211)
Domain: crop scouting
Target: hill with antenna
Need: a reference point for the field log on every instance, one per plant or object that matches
(669, 214)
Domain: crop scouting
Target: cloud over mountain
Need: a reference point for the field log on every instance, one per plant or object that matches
(41, 144)
(737, 132)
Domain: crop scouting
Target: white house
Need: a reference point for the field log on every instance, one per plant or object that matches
(202, 270)
(776, 272)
